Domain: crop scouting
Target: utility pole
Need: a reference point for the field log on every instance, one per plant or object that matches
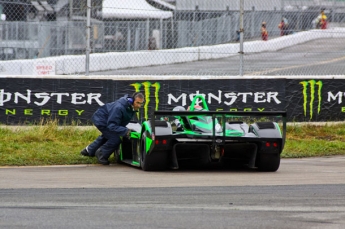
(241, 36)
(88, 28)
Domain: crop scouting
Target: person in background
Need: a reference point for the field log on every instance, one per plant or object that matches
(111, 120)
(322, 20)
(283, 26)
(264, 33)
(152, 43)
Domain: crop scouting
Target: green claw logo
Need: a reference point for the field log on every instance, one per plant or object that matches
(147, 85)
(312, 84)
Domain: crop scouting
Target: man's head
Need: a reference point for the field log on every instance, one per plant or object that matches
(138, 100)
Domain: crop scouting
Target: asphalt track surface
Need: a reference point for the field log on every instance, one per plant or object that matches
(303, 193)
(314, 58)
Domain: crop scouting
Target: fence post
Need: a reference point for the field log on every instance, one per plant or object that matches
(241, 36)
(88, 27)
(252, 31)
(147, 33)
(128, 36)
(161, 34)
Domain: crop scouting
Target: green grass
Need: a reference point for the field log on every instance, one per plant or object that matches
(314, 140)
(51, 144)
(46, 144)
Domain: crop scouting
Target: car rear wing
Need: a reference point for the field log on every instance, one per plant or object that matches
(223, 114)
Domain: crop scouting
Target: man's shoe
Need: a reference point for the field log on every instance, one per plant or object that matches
(85, 153)
(100, 158)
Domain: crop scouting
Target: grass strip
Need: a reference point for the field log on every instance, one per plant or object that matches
(52, 144)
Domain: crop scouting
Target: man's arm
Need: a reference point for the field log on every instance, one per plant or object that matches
(115, 120)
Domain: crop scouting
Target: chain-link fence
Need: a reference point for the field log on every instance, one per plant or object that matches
(172, 37)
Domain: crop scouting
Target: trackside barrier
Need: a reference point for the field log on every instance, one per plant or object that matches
(75, 64)
(28, 99)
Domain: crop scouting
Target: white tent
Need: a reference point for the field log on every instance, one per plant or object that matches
(130, 9)
(165, 4)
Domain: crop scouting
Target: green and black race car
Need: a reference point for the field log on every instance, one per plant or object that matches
(202, 137)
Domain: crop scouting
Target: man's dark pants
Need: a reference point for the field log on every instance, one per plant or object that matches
(109, 141)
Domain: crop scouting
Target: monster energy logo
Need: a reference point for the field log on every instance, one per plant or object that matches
(147, 86)
(312, 92)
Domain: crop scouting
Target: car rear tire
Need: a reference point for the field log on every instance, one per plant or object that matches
(269, 162)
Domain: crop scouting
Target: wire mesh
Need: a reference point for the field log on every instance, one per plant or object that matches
(156, 37)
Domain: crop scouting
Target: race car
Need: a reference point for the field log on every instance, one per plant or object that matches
(203, 138)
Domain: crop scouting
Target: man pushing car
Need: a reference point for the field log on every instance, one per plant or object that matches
(111, 120)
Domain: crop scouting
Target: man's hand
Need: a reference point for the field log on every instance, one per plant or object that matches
(128, 134)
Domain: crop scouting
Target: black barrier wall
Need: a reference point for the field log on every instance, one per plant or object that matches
(29, 100)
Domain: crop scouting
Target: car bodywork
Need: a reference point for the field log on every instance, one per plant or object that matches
(205, 137)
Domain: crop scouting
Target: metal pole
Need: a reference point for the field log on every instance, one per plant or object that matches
(88, 27)
(70, 9)
(333, 11)
(252, 23)
(128, 36)
(161, 34)
(241, 36)
(147, 33)
(172, 34)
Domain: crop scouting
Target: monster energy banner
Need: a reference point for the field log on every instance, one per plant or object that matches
(24, 100)
(315, 100)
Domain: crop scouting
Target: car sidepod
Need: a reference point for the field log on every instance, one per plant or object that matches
(155, 146)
